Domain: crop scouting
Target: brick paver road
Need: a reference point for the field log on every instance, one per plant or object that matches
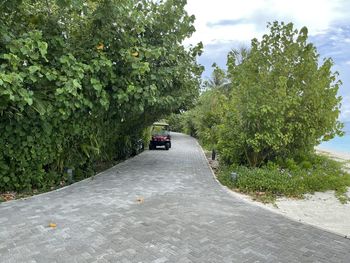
(183, 216)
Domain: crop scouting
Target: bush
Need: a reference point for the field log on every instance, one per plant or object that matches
(283, 101)
(291, 180)
(79, 83)
(176, 122)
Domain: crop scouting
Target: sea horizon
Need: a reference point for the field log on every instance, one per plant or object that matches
(338, 144)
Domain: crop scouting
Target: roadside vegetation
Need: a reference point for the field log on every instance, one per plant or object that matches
(81, 81)
(265, 115)
(291, 179)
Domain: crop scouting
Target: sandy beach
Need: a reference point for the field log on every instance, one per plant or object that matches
(322, 210)
(336, 155)
(343, 156)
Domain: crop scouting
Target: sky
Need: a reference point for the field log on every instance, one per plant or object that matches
(225, 24)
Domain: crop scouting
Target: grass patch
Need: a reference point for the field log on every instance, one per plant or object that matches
(289, 178)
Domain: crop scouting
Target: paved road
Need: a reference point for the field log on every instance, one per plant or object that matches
(185, 216)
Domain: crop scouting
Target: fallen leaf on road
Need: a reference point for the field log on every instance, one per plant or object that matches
(52, 225)
(140, 199)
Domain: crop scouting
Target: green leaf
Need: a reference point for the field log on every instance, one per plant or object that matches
(131, 89)
(33, 69)
(29, 100)
(96, 84)
(7, 78)
(6, 179)
(76, 84)
(42, 48)
(39, 106)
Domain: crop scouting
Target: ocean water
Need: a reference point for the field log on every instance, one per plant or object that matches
(339, 144)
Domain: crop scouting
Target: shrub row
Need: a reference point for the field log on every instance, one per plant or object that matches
(81, 80)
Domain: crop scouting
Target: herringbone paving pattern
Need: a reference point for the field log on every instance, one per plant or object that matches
(183, 216)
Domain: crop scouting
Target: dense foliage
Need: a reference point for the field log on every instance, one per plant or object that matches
(81, 80)
(203, 120)
(296, 178)
(283, 102)
(277, 104)
(278, 101)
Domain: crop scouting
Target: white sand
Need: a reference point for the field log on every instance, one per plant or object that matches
(322, 210)
(336, 155)
(345, 156)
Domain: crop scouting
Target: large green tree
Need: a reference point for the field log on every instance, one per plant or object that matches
(284, 100)
(81, 79)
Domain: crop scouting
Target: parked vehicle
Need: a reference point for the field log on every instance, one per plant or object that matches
(160, 136)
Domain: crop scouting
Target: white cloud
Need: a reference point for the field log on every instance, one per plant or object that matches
(249, 17)
(345, 109)
(225, 24)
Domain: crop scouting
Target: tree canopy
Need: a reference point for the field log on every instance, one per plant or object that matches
(279, 100)
(81, 80)
(283, 102)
